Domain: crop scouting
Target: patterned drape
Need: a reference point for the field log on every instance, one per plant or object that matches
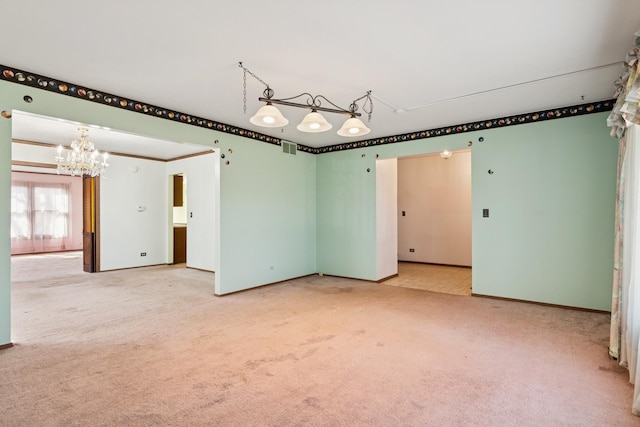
(626, 111)
(624, 310)
(614, 337)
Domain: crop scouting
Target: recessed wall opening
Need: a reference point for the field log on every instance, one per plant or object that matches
(47, 208)
(179, 218)
(136, 211)
(434, 223)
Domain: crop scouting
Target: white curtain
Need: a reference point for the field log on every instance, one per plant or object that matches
(625, 308)
(40, 217)
(630, 266)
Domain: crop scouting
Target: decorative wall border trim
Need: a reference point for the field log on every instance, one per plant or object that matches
(18, 76)
(26, 78)
(539, 116)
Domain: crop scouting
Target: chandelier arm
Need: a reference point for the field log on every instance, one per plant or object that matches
(337, 107)
(309, 107)
(311, 98)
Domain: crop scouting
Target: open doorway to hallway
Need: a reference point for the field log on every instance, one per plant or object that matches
(434, 222)
(446, 279)
(179, 218)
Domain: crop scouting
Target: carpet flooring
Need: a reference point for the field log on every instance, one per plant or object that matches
(152, 347)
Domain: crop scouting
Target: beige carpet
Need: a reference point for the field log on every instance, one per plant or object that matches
(435, 278)
(152, 346)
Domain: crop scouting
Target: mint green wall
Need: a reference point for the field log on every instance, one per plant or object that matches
(268, 215)
(346, 204)
(550, 234)
(549, 237)
(346, 229)
(5, 222)
(267, 209)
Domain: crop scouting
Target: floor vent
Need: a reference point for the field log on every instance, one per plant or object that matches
(289, 148)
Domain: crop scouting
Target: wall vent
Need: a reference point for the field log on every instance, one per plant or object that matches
(289, 148)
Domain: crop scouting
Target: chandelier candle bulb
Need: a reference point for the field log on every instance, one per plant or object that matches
(82, 159)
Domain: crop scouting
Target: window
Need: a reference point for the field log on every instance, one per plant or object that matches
(39, 210)
(20, 228)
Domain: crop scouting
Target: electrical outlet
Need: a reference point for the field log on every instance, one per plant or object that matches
(143, 254)
(412, 250)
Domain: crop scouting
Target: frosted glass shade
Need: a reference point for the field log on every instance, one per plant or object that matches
(314, 122)
(353, 127)
(446, 154)
(269, 116)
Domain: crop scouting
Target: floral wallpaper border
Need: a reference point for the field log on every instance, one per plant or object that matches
(539, 116)
(65, 88)
(22, 77)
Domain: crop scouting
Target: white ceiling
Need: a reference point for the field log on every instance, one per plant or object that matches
(27, 127)
(444, 63)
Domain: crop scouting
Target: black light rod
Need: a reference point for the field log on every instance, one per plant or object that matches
(310, 107)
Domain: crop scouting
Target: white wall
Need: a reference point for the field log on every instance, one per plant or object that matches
(386, 218)
(201, 173)
(33, 153)
(125, 231)
(179, 212)
(435, 195)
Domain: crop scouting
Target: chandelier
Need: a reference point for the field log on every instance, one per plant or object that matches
(82, 159)
(269, 116)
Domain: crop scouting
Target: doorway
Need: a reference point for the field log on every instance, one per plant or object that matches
(90, 233)
(434, 223)
(179, 218)
(133, 217)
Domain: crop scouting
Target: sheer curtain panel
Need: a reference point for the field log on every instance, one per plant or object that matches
(40, 217)
(625, 310)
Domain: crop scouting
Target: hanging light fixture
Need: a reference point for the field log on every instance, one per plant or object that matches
(82, 159)
(353, 127)
(269, 116)
(314, 122)
(446, 154)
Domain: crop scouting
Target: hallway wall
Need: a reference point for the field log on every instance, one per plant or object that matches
(434, 209)
(549, 237)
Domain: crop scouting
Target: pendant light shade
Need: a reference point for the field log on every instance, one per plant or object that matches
(353, 127)
(269, 116)
(314, 122)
